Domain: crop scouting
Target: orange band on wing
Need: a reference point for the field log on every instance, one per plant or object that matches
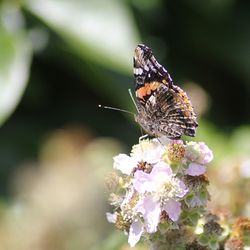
(147, 89)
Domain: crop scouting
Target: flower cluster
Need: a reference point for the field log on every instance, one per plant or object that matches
(161, 188)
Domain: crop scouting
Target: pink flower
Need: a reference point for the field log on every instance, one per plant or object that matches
(148, 182)
(195, 169)
(124, 163)
(198, 152)
(150, 189)
(135, 232)
(145, 151)
(161, 182)
(173, 209)
(150, 210)
(161, 190)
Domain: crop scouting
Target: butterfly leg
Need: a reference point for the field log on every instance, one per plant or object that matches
(142, 137)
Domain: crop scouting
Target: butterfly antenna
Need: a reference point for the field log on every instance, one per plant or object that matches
(116, 109)
(133, 99)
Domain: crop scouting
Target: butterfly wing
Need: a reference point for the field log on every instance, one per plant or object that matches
(164, 108)
(178, 116)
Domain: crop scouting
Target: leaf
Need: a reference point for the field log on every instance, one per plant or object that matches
(101, 31)
(188, 199)
(15, 58)
(213, 244)
(194, 217)
(203, 240)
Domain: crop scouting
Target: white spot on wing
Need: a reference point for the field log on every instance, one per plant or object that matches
(138, 71)
(152, 99)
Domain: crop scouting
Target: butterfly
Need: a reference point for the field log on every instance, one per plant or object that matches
(164, 109)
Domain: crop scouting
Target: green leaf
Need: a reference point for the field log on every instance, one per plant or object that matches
(164, 227)
(194, 217)
(189, 198)
(175, 166)
(100, 31)
(204, 195)
(203, 240)
(15, 51)
(213, 244)
(246, 240)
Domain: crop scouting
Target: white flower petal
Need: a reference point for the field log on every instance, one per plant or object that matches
(142, 182)
(160, 175)
(152, 156)
(198, 152)
(124, 163)
(151, 210)
(151, 182)
(183, 189)
(111, 217)
(149, 151)
(173, 209)
(195, 169)
(163, 167)
(135, 232)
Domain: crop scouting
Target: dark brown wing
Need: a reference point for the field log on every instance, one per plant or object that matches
(178, 116)
(147, 69)
(167, 111)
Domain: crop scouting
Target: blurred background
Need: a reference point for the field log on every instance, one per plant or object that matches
(59, 59)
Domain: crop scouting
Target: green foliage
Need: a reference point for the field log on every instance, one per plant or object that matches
(87, 36)
(15, 60)
(89, 31)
